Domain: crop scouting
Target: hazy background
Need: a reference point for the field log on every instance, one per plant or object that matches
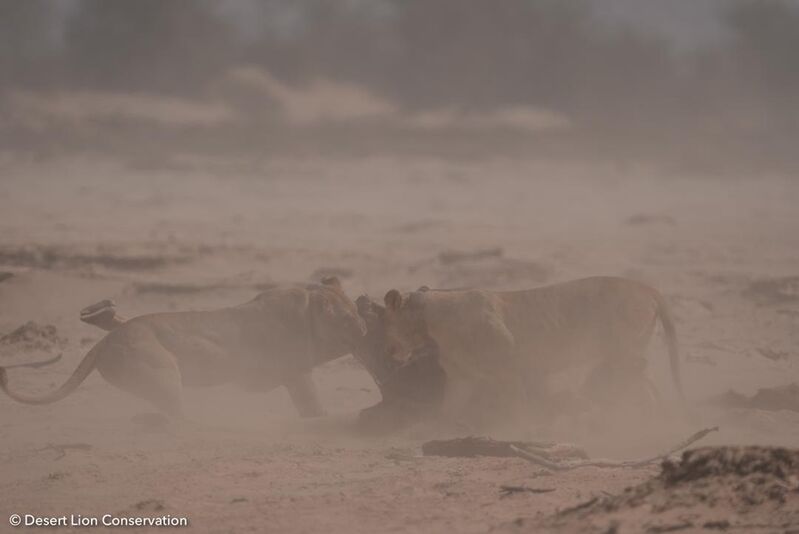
(183, 154)
(700, 84)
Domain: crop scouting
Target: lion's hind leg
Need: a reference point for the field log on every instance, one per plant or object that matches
(619, 378)
(622, 390)
(148, 371)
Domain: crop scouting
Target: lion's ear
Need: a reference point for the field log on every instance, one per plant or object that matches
(331, 281)
(393, 300)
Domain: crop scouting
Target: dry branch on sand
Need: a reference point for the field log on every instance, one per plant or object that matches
(34, 365)
(544, 462)
(553, 456)
(470, 447)
(745, 489)
(505, 491)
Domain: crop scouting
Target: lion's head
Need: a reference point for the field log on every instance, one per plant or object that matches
(405, 329)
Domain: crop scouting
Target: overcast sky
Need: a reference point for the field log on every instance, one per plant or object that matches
(685, 23)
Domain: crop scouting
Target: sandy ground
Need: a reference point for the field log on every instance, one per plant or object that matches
(207, 234)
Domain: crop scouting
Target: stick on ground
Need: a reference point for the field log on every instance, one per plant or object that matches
(472, 446)
(543, 462)
(505, 491)
(551, 456)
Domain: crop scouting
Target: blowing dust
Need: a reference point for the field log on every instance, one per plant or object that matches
(716, 249)
(331, 266)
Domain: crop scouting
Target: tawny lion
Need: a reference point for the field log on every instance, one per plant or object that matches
(273, 340)
(500, 347)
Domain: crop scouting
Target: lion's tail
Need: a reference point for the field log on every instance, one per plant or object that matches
(671, 341)
(83, 370)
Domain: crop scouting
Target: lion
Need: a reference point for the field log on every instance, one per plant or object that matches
(273, 340)
(498, 349)
(411, 390)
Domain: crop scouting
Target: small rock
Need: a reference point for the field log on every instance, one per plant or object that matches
(150, 505)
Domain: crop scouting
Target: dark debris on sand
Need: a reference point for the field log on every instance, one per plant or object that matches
(32, 336)
(50, 257)
(774, 290)
(771, 399)
(745, 489)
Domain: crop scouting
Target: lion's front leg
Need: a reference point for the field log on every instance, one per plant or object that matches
(302, 391)
(485, 381)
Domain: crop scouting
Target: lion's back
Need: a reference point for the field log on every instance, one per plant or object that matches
(564, 322)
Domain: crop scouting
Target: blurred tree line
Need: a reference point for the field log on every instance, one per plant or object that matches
(425, 54)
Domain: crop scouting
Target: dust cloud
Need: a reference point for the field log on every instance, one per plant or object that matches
(188, 155)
